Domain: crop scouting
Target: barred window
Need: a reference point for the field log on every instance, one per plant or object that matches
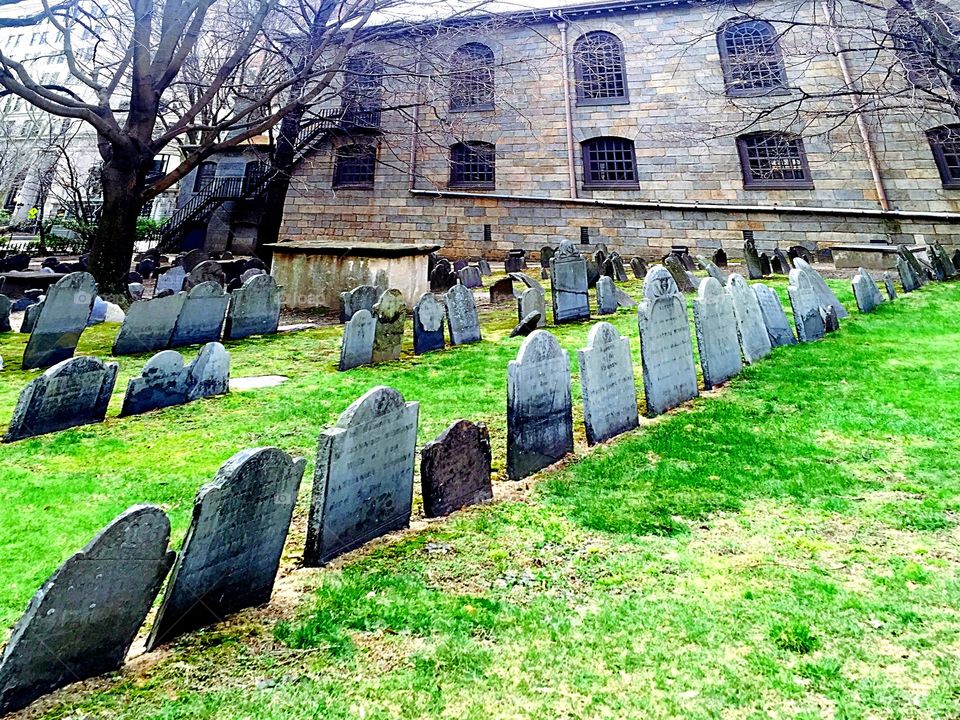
(473, 164)
(599, 69)
(609, 162)
(751, 59)
(363, 82)
(206, 173)
(945, 144)
(472, 77)
(920, 29)
(355, 166)
(772, 160)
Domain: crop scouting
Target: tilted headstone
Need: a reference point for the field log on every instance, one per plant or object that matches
(362, 297)
(166, 381)
(831, 322)
(84, 618)
(172, 279)
(600, 258)
(751, 259)
(539, 407)
(515, 261)
(390, 314)
(624, 300)
(606, 296)
(546, 252)
(568, 274)
(193, 258)
(5, 306)
(252, 272)
(201, 318)
(675, 267)
(470, 277)
(528, 323)
(639, 268)
(720, 259)
(207, 271)
(231, 553)
(593, 272)
(606, 379)
(502, 291)
(60, 321)
(799, 251)
(363, 483)
(149, 325)
(135, 291)
(527, 280)
(462, 319)
(428, 317)
(805, 302)
(484, 267)
(73, 392)
(712, 270)
(254, 309)
(889, 286)
(827, 298)
(209, 373)
(780, 262)
(686, 260)
(669, 375)
(754, 340)
(443, 277)
(765, 268)
(908, 279)
(940, 260)
(30, 315)
(865, 291)
(455, 469)
(357, 346)
(532, 301)
(956, 259)
(774, 317)
(606, 269)
(716, 328)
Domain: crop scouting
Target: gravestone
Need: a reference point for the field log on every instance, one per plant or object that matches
(252, 272)
(669, 375)
(532, 300)
(754, 340)
(455, 469)
(201, 317)
(778, 327)
(515, 261)
(606, 380)
(362, 297)
(799, 251)
(459, 265)
(206, 271)
(470, 277)
(716, 329)
(568, 275)
(149, 325)
(827, 298)
(780, 263)
(484, 267)
(390, 314)
(539, 406)
(593, 272)
(941, 260)
(209, 373)
(546, 252)
(254, 309)
(686, 260)
(73, 392)
(619, 271)
(624, 300)
(528, 323)
(357, 346)
(363, 483)
(231, 553)
(751, 259)
(956, 259)
(865, 291)
(84, 618)
(889, 286)
(502, 291)
(600, 258)
(428, 319)
(193, 258)
(680, 277)
(639, 268)
(165, 380)
(30, 315)
(908, 279)
(720, 259)
(59, 322)
(5, 306)
(712, 270)
(462, 320)
(831, 322)
(135, 291)
(443, 277)
(805, 302)
(173, 279)
(765, 268)
(606, 296)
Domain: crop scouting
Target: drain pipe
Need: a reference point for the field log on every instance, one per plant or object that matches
(855, 101)
(415, 130)
(568, 109)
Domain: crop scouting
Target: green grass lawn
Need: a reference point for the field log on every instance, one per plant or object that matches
(785, 547)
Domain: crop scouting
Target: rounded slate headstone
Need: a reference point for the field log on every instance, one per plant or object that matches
(824, 293)
(889, 286)
(173, 279)
(201, 318)
(778, 327)
(470, 277)
(606, 379)
(532, 300)
(528, 323)
(462, 320)
(639, 268)
(58, 324)
(680, 277)
(606, 296)
(805, 302)
(206, 271)
(209, 373)
(161, 383)
(390, 314)
(754, 340)
(362, 297)
(569, 286)
(357, 345)
(502, 290)
(149, 324)
(716, 329)
(865, 291)
(455, 469)
(254, 308)
(428, 317)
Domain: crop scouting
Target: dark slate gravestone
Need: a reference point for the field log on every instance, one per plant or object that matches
(470, 277)
(390, 314)
(889, 286)
(5, 305)
(687, 261)
(462, 320)
(546, 252)
(765, 268)
(606, 269)
(363, 482)
(172, 279)
(72, 392)
(716, 327)
(908, 257)
(720, 258)
(669, 375)
(443, 277)
(751, 259)
(593, 272)
(568, 274)
(135, 291)
(502, 291)
(624, 300)
(680, 277)
(908, 279)
(805, 302)
(515, 261)
(606, 296)
(428, 319)
(780, 262)
(712, 270)
(357, 347)
(254, 309)
(532, 300)
(363, 297)
(231, 553)
(30, 315)
(84, 618)
(775, 319)
(600, 258)
(149, 325)
(252, 272)
(956, 260)
(207, 271)
(201, 318)
(455, 469)
(209, 373)
(59, 323)
(193, 258)
(754, 340)
(799, 251)
(865, 291)
(619, 271)
(484, 267)
(831, 322)
(639, 268)
(606, 379)
(825, 255)
(940, 258)
(166, 381)
(528, 323)
(459, 265)
(539, 407)
(827, 298)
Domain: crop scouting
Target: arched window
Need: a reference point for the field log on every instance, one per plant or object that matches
(599, 69)
(609, 162)
(206, 173)
(354, 166)
(471, 77)
(751, 59)
(773, 160)
(945, 144)
(921, 30)
(473, 164)
(362, 94)
(254, 172)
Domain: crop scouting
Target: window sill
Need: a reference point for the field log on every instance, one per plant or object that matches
(951, 184)
(611, 186)
(586, 102)
(758, 93)
(354, 186)
(473, 108)
(471, 186)
(799, 185)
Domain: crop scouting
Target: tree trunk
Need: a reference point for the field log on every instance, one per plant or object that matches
(112, 250)
(275, 196)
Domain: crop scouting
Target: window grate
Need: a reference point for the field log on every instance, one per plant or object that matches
(609, 161)
(355, 166)
(487, 233)
(584, 236)
(751, 59)
(472, 78)
(473, 164)
(773, 160)
(599, 68)
(945, 144)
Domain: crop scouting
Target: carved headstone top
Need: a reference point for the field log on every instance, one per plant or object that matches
(362, 297)
(62, 318)
(606, 379)
(390, 313)
(716, 329)
(357, 347)
(778, 327)
(254, 308)
(455, 469)
(659, 282)
(754, 340)
(464, 324)
(428, 317)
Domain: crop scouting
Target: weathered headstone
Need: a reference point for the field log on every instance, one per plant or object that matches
(751, 259)
(254, 309)
(455, 469)
(206, 271)
(712, 270)
(166, 381)
(172, 279)
(502, 291)
(754, 340)
(443, 277)
(831, 322)
(83, 620)
(669, 375)
(363, 483)
(428, 332)
(765, 268)
(390, 314)
(470, 277)
(149, 325)
(956, 259)
(539, 409)
(716, 328)
(201, 318)
(774, 317)
(827, 298)
(73, 392)
(363, 297)
(606, 296)
(780, 262)
(193, 258)
(593, 272)
(568, 273)
(462, 320)
(805, 302)
(484, 267)
(528, 323)
(60, 321)
(940, 260)
(231, 553)
(252, 272)
(865, 291)
(799, 251)
(5, 305)
(606, 379)
(720, 259)
(209, 373)
(515, 261)
(532, 300)
(624, 300)
(910, 259)
(908, 279)
(889, 286)
(30, 315)
(357, 347)
(619, 271)
(546, 252)
(639, 268)
(675, 267)
(459, 265)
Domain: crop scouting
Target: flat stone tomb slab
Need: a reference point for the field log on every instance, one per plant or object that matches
(607, 383)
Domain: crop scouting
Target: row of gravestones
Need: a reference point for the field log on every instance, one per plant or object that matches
(77, 391)
(444, 274)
